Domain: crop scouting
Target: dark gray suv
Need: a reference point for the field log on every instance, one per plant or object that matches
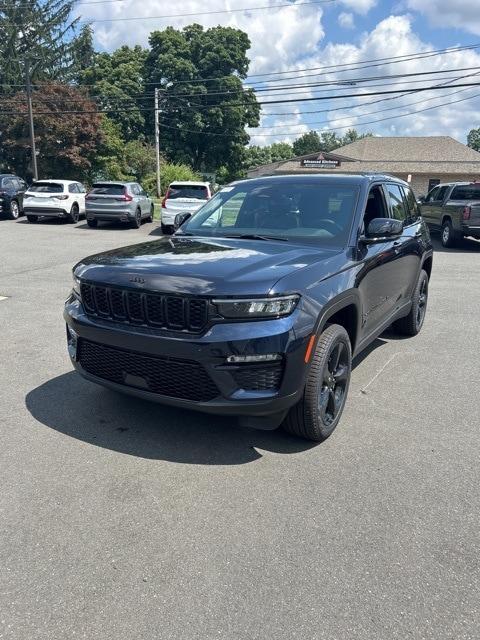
(118, 202)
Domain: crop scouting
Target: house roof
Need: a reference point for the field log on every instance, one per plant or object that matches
(409, 149)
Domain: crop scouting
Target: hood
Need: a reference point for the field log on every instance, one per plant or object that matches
(201, 266)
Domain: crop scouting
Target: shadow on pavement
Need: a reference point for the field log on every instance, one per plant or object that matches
(101, 417)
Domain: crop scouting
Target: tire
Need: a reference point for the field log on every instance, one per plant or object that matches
(319, 411)
(32, 219)
(93, 224)
(167, 229)
(152, 211)
(449, 236)
(74, 215)
(412, 324)
(14, 210)
(137, 221)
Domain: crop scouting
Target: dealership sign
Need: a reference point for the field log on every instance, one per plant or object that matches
(320, 162)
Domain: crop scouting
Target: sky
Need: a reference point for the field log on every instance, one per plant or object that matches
(294, 35)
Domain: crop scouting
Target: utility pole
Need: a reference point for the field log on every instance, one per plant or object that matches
(30, 119)
(157, 144)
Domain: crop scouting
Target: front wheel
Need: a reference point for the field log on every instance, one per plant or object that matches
(411, 325)
(14, 210)
(318, 412)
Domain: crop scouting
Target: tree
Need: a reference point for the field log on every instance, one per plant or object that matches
(473, 139)
(82, 51)
(281, 151)
(307, 143)
(203, 121)
(40, 31)
(115, 81)
(67, 133)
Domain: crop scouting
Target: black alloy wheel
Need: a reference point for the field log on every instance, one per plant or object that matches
(319, 411)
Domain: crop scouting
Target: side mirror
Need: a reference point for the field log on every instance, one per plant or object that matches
(180, 218)
(382, 229)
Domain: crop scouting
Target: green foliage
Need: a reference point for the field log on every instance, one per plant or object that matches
(115, 81)
(40, 31)
(66, 142)
(82, 51)
(203, 123)
(473, 139)
(307, 143)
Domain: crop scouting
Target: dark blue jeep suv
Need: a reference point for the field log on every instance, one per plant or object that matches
(255, 306)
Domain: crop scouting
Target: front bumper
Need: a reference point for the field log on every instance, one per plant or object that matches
(210, 350)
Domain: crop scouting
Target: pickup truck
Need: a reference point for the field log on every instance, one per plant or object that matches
(453, 209)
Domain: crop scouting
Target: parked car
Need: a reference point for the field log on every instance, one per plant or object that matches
(453, 209)
(55, 199)
(118, 202)
(256, 305)
(12, 189)
(183, 197)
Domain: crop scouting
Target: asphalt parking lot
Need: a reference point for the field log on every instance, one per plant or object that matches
(120, 519)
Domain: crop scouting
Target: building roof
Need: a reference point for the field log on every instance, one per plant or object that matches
(416, 149)
(393, 155)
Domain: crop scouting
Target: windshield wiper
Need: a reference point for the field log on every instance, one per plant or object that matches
(254, 236)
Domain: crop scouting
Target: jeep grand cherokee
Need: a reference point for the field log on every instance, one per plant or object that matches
(255, 306)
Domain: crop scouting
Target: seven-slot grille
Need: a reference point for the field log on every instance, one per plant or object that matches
(172, 377)
(145, 308)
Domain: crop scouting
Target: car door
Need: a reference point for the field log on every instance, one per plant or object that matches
(135, 191)
(145, 204)
(434, 207)
(376, 278)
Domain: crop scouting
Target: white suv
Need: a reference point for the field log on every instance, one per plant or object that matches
(183, 197)
(55, 199)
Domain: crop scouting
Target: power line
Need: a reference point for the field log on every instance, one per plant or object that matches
(282, 101)
(206, 13)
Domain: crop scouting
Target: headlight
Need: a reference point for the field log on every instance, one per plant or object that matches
(257, 307)
(76, 286)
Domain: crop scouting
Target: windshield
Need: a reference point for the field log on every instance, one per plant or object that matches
(320, 212)
(198, 192)
(47, 187)
(466, 192)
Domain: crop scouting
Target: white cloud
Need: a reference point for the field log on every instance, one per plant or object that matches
(459, 14)
(346, 21)
(279, 35)
(359, 6)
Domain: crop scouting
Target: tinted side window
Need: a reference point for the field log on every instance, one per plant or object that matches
(395, 195)
(413, 212)
(442, 192)
(135, 189)
(466, 192)
(8, 183)
(73, 188)
(432, 195)
(81, 188)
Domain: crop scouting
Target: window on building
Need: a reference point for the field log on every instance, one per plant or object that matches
(433, 183)
(395, 195)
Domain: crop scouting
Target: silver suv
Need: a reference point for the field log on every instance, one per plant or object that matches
(118, 201)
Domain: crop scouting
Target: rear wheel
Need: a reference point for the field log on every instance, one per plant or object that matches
(412, 324)
(32, 219)
(449, 236)
(74, 215)
(14, 210)
(93, 224)
(137, 221)
(318, 412)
